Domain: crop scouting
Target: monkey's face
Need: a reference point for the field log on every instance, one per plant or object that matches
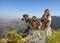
(39, 25)
(46, 12)
(34, 18)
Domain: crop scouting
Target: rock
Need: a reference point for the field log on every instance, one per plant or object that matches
(48, 31)
(36, 36)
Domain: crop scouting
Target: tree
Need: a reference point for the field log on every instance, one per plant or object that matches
(25, 17)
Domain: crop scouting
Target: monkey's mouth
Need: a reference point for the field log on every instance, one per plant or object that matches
(39, 27)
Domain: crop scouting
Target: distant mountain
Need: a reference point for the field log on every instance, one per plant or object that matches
(12, 25)
(55, 24)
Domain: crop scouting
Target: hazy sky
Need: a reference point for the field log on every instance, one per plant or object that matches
(16, 8)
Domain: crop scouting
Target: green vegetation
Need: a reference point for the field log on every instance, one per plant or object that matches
(13, 37)
(54, 38)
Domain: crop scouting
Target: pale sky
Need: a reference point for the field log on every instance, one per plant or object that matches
(16, 8)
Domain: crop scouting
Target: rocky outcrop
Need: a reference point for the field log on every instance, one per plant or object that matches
(36, 36)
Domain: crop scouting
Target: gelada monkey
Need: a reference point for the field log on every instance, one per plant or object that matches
(46, 18)
(36, 23)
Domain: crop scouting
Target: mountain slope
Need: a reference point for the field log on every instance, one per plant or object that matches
(55, 24)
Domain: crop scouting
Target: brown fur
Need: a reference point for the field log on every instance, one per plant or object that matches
(36, 23)
(45, 20)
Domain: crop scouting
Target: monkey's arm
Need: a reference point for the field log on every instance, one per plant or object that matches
(49, 18)
(44, 18)
(49, 21)
(39, 23)
(30, 26)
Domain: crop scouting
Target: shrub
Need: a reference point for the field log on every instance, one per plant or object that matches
(54, 38)
(13, 37)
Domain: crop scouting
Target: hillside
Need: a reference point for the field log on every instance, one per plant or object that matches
(12, 25)
(55, 24)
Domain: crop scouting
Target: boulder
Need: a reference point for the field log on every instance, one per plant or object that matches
(36, 36)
